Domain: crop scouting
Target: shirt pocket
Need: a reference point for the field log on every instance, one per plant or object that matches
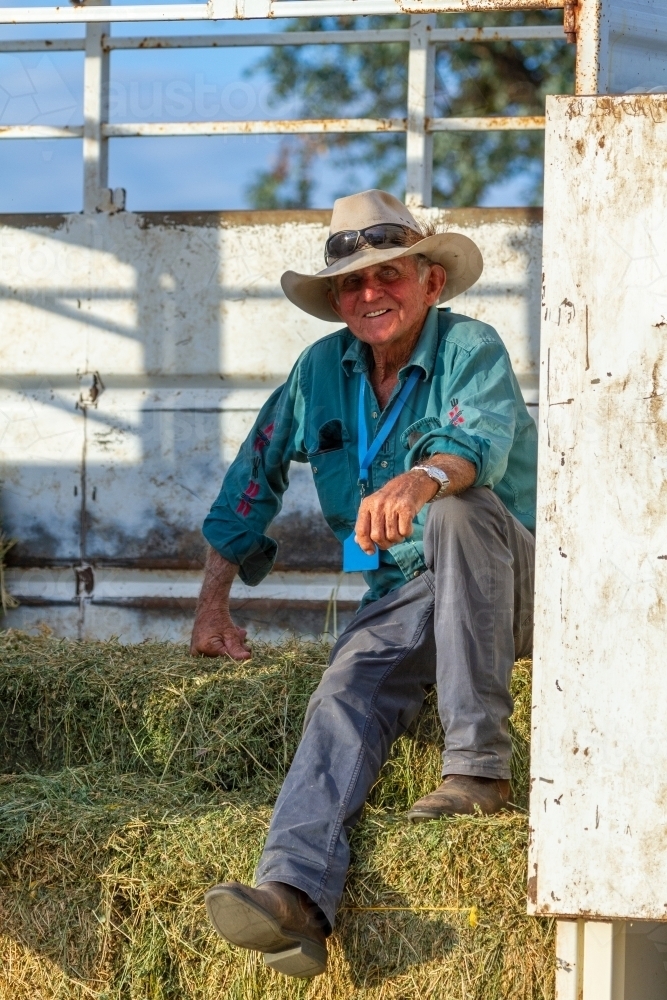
(332, 475)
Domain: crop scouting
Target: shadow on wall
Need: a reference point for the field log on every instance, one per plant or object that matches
(131, 381)
(137, 350)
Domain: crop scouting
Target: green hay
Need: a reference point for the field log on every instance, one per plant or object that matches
(152, 777)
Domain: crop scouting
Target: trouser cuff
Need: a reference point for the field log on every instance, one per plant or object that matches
(480, 768)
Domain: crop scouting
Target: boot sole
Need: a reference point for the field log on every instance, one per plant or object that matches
(247, 925)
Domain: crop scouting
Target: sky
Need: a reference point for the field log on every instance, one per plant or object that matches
(159, 174)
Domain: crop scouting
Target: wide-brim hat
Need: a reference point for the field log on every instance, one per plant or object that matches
(458, 255)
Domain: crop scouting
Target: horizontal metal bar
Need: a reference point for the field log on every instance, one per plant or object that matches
(536, 33)
(332, 8)
(43, 45)
(379, 35)
(41, 131)
(308, 126)
(277, 127)
(490, 124)
(227, 9)
(265, 38)
(83, 14)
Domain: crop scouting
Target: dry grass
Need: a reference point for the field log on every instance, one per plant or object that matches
(135, 777)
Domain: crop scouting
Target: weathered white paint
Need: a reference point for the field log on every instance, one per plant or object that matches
(569, 959)
(136, 352)
(599, 790)
(233, 9)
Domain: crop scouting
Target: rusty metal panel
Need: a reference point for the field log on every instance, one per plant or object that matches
(599, 785)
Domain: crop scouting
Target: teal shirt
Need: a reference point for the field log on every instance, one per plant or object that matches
(467, 402)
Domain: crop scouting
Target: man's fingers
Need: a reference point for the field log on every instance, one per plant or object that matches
(220, 641)
(383, 521)
(405, 517)
(234, 644)
(362, 530)
(377, 532)
(392, 529)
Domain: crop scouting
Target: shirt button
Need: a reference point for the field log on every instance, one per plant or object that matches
(374, 415)
(314, 468)
(416, 573)
(383, 464)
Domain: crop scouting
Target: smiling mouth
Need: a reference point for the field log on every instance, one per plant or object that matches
(378, 312)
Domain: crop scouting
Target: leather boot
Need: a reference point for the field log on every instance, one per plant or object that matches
(276, 919)
(458, 795)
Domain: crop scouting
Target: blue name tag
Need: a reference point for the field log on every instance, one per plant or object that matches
(355, 560)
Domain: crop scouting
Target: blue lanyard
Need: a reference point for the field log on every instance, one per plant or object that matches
(366, 454)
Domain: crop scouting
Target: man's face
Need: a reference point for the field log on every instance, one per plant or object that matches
(382, 303)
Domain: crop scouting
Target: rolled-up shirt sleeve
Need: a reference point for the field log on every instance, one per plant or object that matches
(253, 487)
(478, 416)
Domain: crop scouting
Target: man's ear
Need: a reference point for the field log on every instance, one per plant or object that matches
(333, 303)
(437, 280)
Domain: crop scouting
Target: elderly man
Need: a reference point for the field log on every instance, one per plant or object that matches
(424, 456)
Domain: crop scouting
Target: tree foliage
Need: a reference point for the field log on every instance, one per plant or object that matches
(472, 79)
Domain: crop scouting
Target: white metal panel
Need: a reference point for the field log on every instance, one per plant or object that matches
(621, 46)
(137, 351)
(599, 768)
(637, 46)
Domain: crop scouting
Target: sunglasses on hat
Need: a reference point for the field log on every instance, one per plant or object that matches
(380, 237)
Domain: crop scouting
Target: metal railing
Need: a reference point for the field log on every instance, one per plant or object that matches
(419, 123)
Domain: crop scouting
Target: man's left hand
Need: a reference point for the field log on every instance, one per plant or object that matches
(385, 518)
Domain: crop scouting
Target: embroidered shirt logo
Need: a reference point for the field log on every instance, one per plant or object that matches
(263, 437)
(248, 498)
(250, 493)
(455, 414)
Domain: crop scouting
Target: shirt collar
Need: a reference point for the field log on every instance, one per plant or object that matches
(356, 357)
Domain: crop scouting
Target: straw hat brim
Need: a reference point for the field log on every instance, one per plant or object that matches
(460, 257)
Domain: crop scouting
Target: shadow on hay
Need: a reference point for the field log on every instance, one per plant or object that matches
(381, 946)
(146, 765)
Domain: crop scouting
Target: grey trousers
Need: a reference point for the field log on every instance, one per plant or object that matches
(460, 625)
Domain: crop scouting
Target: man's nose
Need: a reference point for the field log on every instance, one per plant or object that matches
(371, 290)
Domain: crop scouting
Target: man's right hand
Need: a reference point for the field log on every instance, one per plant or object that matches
(214, 632)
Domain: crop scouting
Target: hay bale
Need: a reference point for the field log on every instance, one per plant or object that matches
(153, 775)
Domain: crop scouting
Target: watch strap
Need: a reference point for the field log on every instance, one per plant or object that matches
(438, 476)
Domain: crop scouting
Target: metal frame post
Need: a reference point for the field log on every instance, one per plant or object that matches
(96, 194)
(569, 959)
(421, 92)
(591, 62)
(604, 960)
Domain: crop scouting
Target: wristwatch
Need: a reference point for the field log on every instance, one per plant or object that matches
(438, 476)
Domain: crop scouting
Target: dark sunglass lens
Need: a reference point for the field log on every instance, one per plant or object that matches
(342, 244)
(384, 236)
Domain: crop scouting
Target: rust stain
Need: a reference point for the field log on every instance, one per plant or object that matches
(532, 886)
(481, 5)
(570, 21)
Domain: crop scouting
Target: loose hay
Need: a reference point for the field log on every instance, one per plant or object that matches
(152, 775)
